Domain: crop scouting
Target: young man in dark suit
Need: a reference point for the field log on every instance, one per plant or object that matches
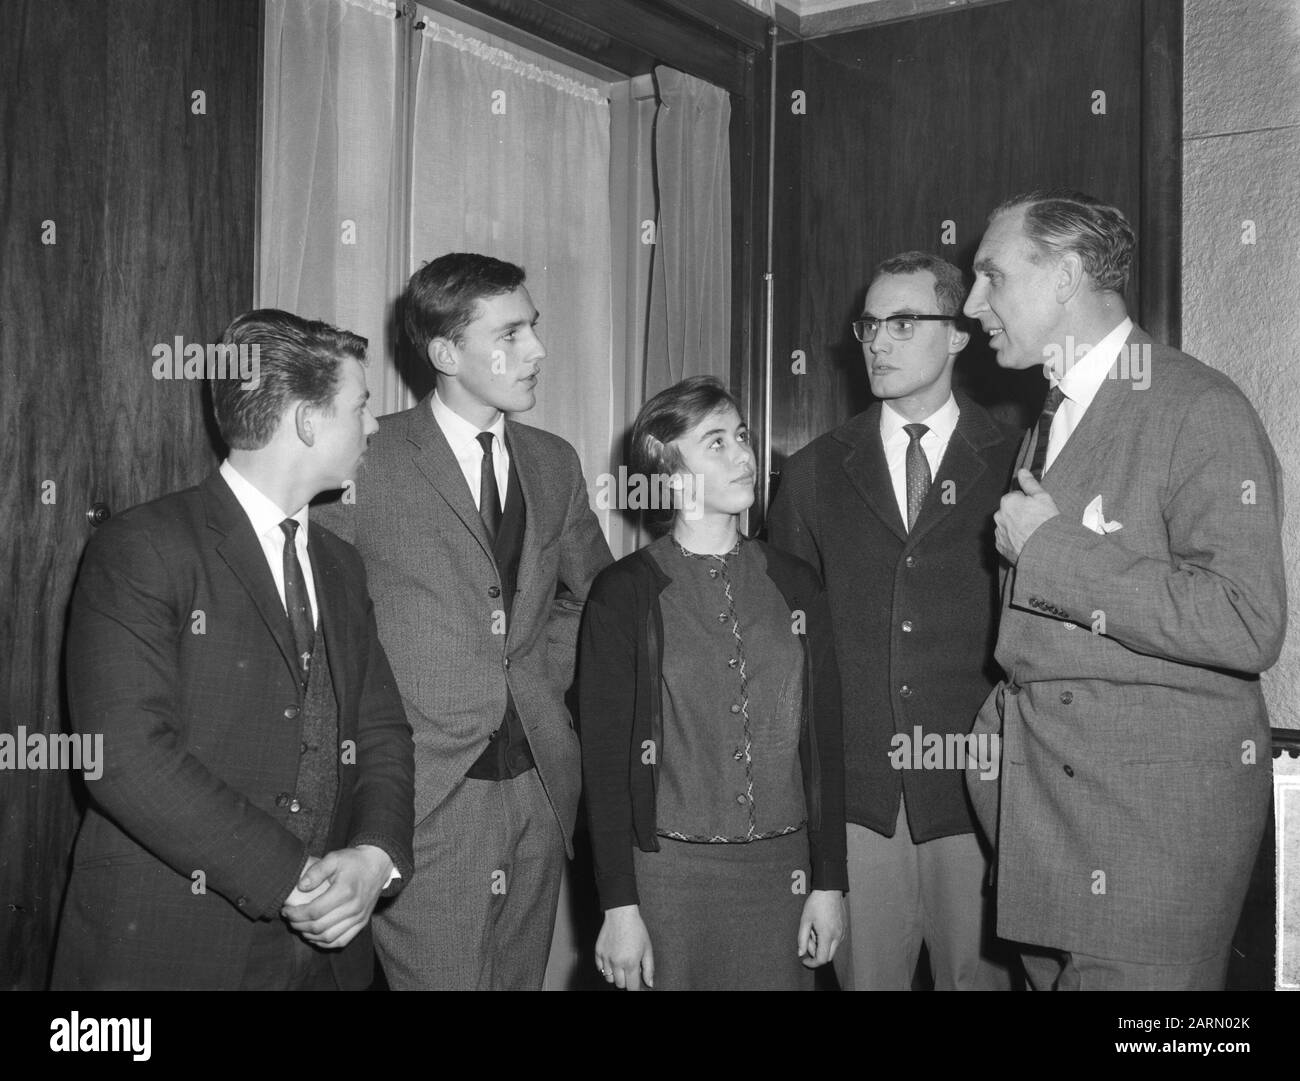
(895, 509)
(470, 524)
(256, 791)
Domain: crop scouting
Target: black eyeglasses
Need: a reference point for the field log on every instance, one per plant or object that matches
(900, 327)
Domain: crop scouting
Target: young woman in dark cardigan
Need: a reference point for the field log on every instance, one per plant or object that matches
(710, 724)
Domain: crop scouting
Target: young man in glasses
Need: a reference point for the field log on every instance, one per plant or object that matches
(895, 509)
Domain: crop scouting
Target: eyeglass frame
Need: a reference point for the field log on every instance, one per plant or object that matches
(902, 316)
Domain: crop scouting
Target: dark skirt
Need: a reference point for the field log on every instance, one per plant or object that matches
(725, 917)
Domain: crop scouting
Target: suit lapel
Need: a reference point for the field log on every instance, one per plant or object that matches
(1097, 427)
(242, 552)
(530, 484)
(961, 466)
(867, 471)
(433, 458)
(331, 599)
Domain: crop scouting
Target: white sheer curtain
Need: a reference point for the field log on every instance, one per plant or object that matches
(511, 159)
(690, 297)
(331, 213)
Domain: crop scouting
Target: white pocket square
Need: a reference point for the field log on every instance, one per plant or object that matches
(1095, 520)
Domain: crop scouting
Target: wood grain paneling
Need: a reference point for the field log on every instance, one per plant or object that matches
(153, 207)
(938, 119)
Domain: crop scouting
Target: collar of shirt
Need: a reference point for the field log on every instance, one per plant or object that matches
(265, 517)
(462, 437)
(1085, 376)
(264, 514)
(942, 423)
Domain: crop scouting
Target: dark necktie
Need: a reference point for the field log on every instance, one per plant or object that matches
(489, 498)
(918, 472)
(1050, 406)
(297, 601)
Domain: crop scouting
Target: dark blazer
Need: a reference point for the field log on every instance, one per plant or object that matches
(1137, 774)
(621, 695)
(439, 596)
(836, 509)
(179, 655)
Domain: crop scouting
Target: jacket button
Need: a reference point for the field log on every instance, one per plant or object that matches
(713, 572)
(290, 713)
(722, 617)
(907, 626)
(1067, 697)
(282, 800)
(1070, 626)
(1069, 770)
(735, 708)
(905, 691)
(739, 755)
(733, 662)
(304, 746)
(910, 561)
(295, 807)
(741, 800)
(507, 663)
(494, 591)
(241, 902)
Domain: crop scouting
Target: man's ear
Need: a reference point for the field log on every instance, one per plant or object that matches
(1070, 276)
(958, 339)
(442, 355)
(304, 423)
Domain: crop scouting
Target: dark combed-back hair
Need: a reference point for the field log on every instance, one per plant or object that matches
(297, 361)
(439, 300)
(668, 416)
(949, 284)
(1060, 220)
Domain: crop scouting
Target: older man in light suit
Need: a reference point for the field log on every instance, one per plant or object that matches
(1144, 597)
(480, 546)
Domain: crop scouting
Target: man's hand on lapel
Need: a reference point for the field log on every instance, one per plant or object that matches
(1021, 513)
(355, 877)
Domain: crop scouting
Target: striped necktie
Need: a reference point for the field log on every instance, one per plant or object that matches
(1050, 406)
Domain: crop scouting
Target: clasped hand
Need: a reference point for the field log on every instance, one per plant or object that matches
(336, 894)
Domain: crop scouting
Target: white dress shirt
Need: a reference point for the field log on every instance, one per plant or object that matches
(266, 517)
(942, 423)
(462, 437)
(1080, 385)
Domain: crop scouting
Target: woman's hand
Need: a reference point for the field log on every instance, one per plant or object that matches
(623, 952)
(821, 927)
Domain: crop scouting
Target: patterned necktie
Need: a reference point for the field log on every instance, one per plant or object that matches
(297, 601)
(918, 472)
(489, 498)
(1050, 406)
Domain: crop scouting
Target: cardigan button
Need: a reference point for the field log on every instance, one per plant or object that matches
(290, 712)
(907, 626)
(294, 807)
(905, 691)
(910, 561)
(494, 591)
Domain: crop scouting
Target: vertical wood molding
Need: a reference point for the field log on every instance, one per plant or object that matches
(1160, 228)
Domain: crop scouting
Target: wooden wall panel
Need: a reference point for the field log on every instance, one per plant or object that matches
(154, 207)
(937, 119)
